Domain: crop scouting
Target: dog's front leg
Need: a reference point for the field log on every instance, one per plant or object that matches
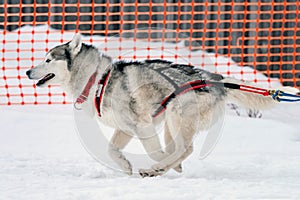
(117, 143)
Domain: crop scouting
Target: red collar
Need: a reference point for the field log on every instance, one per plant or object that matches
(99, 93)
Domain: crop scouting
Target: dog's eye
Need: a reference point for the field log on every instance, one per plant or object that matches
(48, 60)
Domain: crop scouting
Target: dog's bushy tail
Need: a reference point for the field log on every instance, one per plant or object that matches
(248, 99)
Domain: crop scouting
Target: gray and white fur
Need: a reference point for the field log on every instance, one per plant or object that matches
(134, 91)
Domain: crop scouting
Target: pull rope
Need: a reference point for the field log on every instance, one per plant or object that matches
(256, 90)
(278, 94)
(198, 84)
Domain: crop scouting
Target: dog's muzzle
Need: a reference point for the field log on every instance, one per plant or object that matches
(28, 73)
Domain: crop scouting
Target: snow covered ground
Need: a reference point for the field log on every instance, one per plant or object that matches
(41, 158)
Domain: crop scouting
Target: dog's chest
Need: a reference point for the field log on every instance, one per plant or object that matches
(108, 118)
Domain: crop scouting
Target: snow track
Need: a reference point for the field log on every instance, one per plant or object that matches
(41, 158)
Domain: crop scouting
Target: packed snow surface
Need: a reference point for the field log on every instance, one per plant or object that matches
(41, 158)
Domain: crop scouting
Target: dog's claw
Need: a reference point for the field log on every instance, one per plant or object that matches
(253, 113)
(178, 168)
(149, 173)
(159, 170)
(145, 174)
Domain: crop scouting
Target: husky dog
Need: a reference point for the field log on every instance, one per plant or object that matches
(133, 94)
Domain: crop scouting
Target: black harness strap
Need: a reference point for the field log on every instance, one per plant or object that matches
(226, 85)
(194, 85)
(160, 70)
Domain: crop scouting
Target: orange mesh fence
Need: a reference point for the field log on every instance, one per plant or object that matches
(261, 34)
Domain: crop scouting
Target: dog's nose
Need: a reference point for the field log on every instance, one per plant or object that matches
(28, 73)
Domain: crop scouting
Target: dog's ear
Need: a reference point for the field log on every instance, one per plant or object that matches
(75, 44)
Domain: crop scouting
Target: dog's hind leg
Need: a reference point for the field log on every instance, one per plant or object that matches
(170, 146)
(152, 145)
(178, 162)
(182, 151)
(182, 129)
(151, 142)
(117, 143)
(163, 166)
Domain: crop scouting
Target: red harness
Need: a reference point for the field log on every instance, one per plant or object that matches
(100, 91)
(86, 91)
(194, 85)
(199, 84)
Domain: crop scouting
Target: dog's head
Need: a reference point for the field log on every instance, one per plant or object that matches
(56, 67)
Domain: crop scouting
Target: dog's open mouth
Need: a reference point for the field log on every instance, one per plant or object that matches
(45, 79)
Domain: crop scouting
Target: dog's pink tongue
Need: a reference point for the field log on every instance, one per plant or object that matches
(46, 78)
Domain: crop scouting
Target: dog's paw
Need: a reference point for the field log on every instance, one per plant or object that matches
(158, 168)
(150, 173)
(126, 167)
(178, 168)
(234, 108)
(253, 113)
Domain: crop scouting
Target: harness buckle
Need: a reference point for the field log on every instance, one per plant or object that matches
(275, 94)
(79, 101)
(76, 106)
